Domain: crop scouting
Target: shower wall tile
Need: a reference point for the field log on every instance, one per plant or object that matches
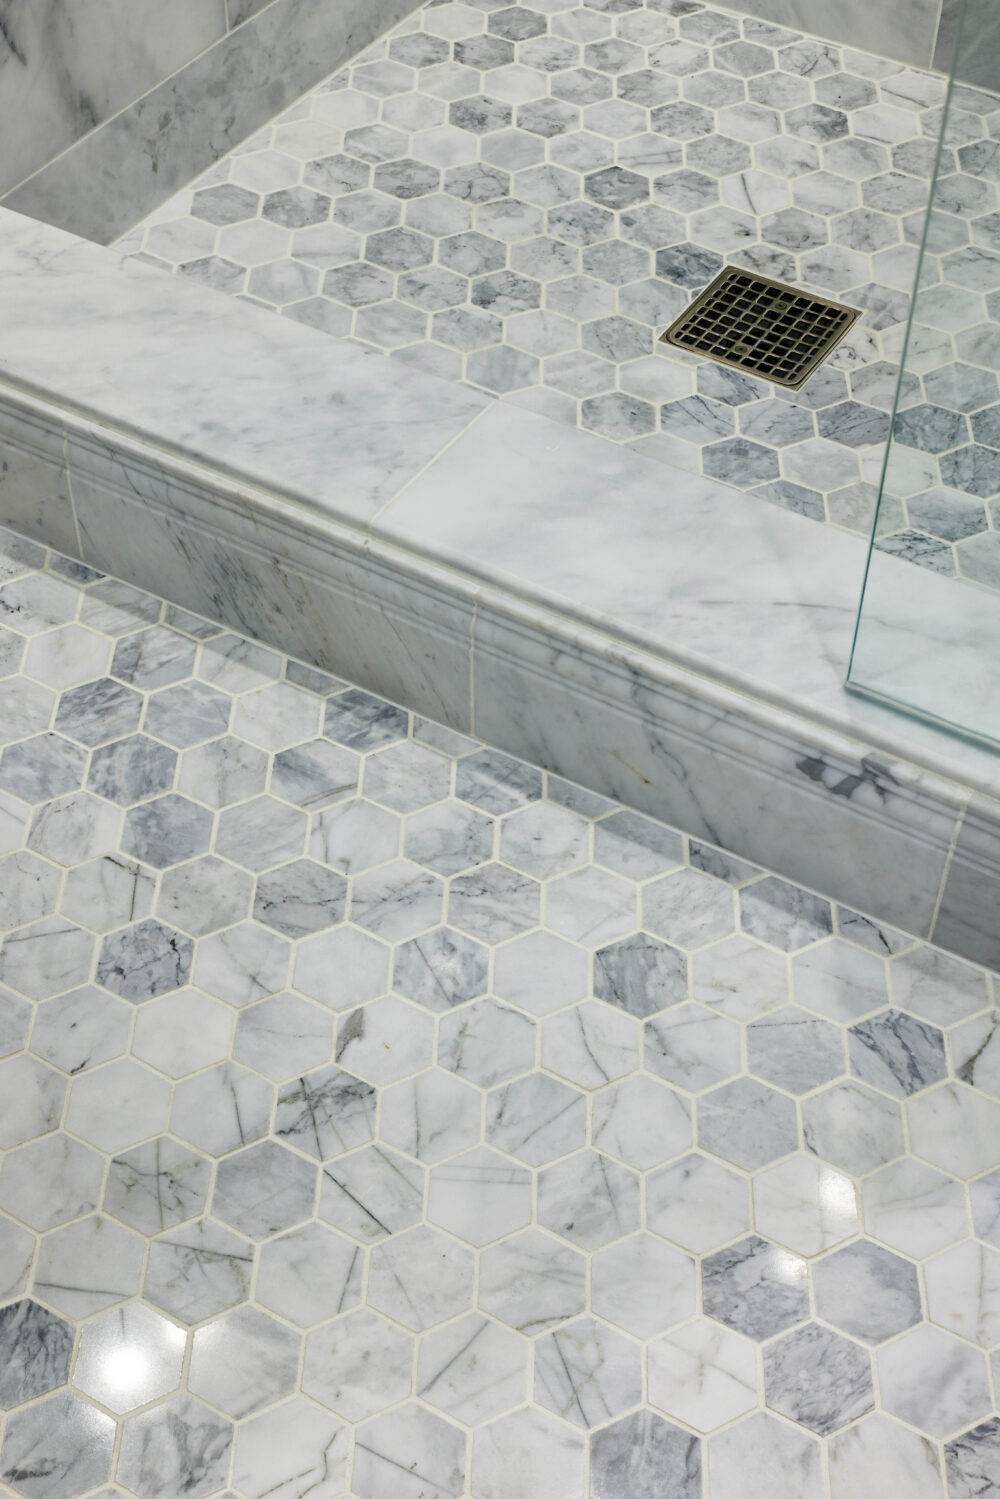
(969, 917)
(969, 37)
(66, 68)
(947, 34)
(115, 175)
(238, 11)
(903, 29)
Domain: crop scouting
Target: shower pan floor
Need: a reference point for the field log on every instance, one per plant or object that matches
(523, 196)
(384, 1118)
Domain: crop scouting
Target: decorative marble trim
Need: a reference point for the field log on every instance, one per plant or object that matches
(104, 182)
(817, 807)
(968, 919)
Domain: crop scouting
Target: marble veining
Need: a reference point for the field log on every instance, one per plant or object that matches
(524, 206)
(422, 1123)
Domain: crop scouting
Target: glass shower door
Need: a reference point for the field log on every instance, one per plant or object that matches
(928, 629)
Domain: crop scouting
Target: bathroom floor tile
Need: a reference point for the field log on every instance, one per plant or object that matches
(400, 1157)
(524, 196)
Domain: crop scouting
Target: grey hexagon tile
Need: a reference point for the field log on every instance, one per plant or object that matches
(221, 1109)
(852, 1127)
(117, 1105)
(36, 1346)
(431, 1116)
(223, 771)
(697, 1203)
(243, 1361)
(540, 972)
(198, 1271)
(641, 1122)
(440, 969)
(341, 968)
(914, 1208)
(620, 1280)
(128, 1357)
(325, 1112)
(805, 1205)
(755, 1288)
(80, 1029)
(420, 1278)
(486, 1043)
(590, 1044)
(933, 1381)
(87, 1266)
(50, 1181)
(309, 1274)
(292, 1444)
(640, 974)
(547, 1453)
(531, 1282)
(763, 1455)
(692, 1047)
(157, 1185)
(357, 1365)
(263, 1189)
(354, 836)
(817, 1378)
(472, 1369)
(371, 1193)
(878, 1451)
(747, 1123)
(702, 1374)
(62, 1438)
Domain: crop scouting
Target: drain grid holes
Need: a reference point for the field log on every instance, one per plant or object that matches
(761, 326)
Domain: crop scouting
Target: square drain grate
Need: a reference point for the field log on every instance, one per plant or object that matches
(761, 326)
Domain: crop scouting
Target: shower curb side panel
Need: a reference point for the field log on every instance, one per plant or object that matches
(816, 807)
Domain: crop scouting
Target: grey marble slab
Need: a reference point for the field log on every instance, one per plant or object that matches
(186, 117)
(64, 70)
(342, 430)
(968, 919)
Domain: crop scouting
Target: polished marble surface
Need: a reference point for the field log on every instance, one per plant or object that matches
(109, 111)
(382, 1117)
(523, 197)
(66, 71)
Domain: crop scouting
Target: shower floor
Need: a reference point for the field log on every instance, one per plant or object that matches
(384, 1118)
(523, 196)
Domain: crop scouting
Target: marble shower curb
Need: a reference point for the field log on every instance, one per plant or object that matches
(914, 848)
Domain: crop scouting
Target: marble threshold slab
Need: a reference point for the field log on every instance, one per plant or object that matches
(662, 639)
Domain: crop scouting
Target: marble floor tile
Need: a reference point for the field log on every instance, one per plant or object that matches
(432, 1170)
(524, 203)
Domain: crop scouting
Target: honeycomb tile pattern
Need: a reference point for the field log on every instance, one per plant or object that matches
(381, 1117)
(524, 195)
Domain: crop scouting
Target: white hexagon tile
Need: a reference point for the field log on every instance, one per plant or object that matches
(523, 195)
(382, 1118)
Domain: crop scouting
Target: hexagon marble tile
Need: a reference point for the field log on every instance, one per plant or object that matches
(345, 1152)
(522, 196)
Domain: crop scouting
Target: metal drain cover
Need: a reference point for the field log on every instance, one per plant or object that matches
(761, 326)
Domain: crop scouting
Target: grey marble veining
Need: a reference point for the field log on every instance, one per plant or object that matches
(452, 1188)
(910, 34)
(64, 74)
(165, 101)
